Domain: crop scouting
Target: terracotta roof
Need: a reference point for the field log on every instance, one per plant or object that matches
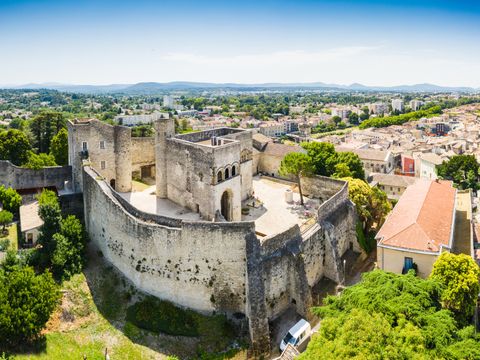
(281, 150)
(422, 219)
(29, 218)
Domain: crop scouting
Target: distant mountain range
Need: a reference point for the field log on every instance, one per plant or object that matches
(155, 87)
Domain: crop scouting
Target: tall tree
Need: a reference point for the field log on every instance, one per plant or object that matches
(297, 165)
(14, 146)
(459, 274)
(26, 303)
(49, 211)
(59, 147)
(44, 127)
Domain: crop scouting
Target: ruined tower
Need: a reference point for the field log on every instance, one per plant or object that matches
(164, 128)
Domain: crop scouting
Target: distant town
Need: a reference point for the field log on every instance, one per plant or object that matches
(240, 223)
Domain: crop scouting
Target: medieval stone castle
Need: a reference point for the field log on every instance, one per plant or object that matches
(210, 234)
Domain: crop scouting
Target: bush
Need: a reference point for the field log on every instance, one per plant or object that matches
(162, 316)
(10, 199)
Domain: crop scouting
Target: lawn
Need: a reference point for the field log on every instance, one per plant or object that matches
(91, 318)
(12, 237)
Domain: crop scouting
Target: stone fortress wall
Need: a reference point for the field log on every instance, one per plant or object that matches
(221, 266)
(21, 178)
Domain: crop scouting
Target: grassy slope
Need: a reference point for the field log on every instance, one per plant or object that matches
(92, 318)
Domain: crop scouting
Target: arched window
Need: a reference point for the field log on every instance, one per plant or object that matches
(219, 176)
(234, 170)
(227, 173)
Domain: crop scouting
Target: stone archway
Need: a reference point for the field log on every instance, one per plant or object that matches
(226, 205)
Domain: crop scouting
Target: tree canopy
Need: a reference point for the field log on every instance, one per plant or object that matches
(59, 147)
(10, 199)
(325, 160)
(459, 275)
(390, 316)
(26, 303)
(44, 127)
(462, 170)
(14, 146)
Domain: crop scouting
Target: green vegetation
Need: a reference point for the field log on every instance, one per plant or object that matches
(62, 240)
(400, 119)
(59, 147)
(390, 316)
(26, 303)
(328, 162)
(372, 207)
(9, 241)
(459, 275)
(462, 170)
(6, 218)
(44, 127)
(14, 146)
(297, 165)
(10, 199)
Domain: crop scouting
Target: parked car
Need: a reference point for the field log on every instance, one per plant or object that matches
(298, 336)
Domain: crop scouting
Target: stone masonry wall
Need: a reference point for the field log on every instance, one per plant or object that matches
(21, 178)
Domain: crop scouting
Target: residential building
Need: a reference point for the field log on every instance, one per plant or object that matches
(416, 104)
(393, 185)
(397, 105)
(272, 129)
(168, 101)
(374, 161)
(30, 223)
(419, 228)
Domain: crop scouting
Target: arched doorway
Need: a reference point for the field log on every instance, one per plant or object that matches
(226, 205)
(112, 184)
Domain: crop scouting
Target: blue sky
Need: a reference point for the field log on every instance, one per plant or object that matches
(372, 42)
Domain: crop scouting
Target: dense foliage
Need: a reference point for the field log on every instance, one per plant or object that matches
(10, 199)
(44, 127)
(59, 147)
(26, 303)
(459, 274)
(62, 240)
(462, 170)
(6, 218)
(14, 146)
(390, 316)
(326, 160)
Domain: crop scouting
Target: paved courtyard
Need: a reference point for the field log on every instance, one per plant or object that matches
(147, 201)
(271, 213)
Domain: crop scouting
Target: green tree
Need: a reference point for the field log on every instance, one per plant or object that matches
(322, 155)
(353, 118)
(50, 212)
(67, 258)
(462, 170)
(336, 120)
(297, 165)
(353, 163)
(6, 218)
(390, 316)
(459, 274)
(59, 147)
(14, 146)
(39, 161)
(342, 171)
(26, 303)
(44, 127)
(10, 199)
(371, 203)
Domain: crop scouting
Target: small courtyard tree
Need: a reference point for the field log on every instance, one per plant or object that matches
(6, 218)
(297, 165)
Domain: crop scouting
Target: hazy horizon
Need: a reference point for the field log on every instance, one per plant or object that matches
(371, 42)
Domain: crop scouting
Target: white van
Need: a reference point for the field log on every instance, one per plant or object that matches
(297, 336)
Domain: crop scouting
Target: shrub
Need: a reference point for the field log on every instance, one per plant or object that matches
(162, 316)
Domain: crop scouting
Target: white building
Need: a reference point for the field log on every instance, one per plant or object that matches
(133, 120)
(397, 105)
(272, 129)
(378, 108)
(168, 101)
(30, 223)
(416, 104)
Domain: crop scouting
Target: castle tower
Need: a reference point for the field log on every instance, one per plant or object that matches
(123, 158)
(164, 128)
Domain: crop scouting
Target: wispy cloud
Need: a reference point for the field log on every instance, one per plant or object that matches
(292, 57)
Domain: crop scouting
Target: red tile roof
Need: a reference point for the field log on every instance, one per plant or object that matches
(422, 219)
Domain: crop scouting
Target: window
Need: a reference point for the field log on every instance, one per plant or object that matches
(29, 238)
(219, 176)
(102, 165)
(227, 173)
(234, 170)
(102, 145)
(84, 146)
